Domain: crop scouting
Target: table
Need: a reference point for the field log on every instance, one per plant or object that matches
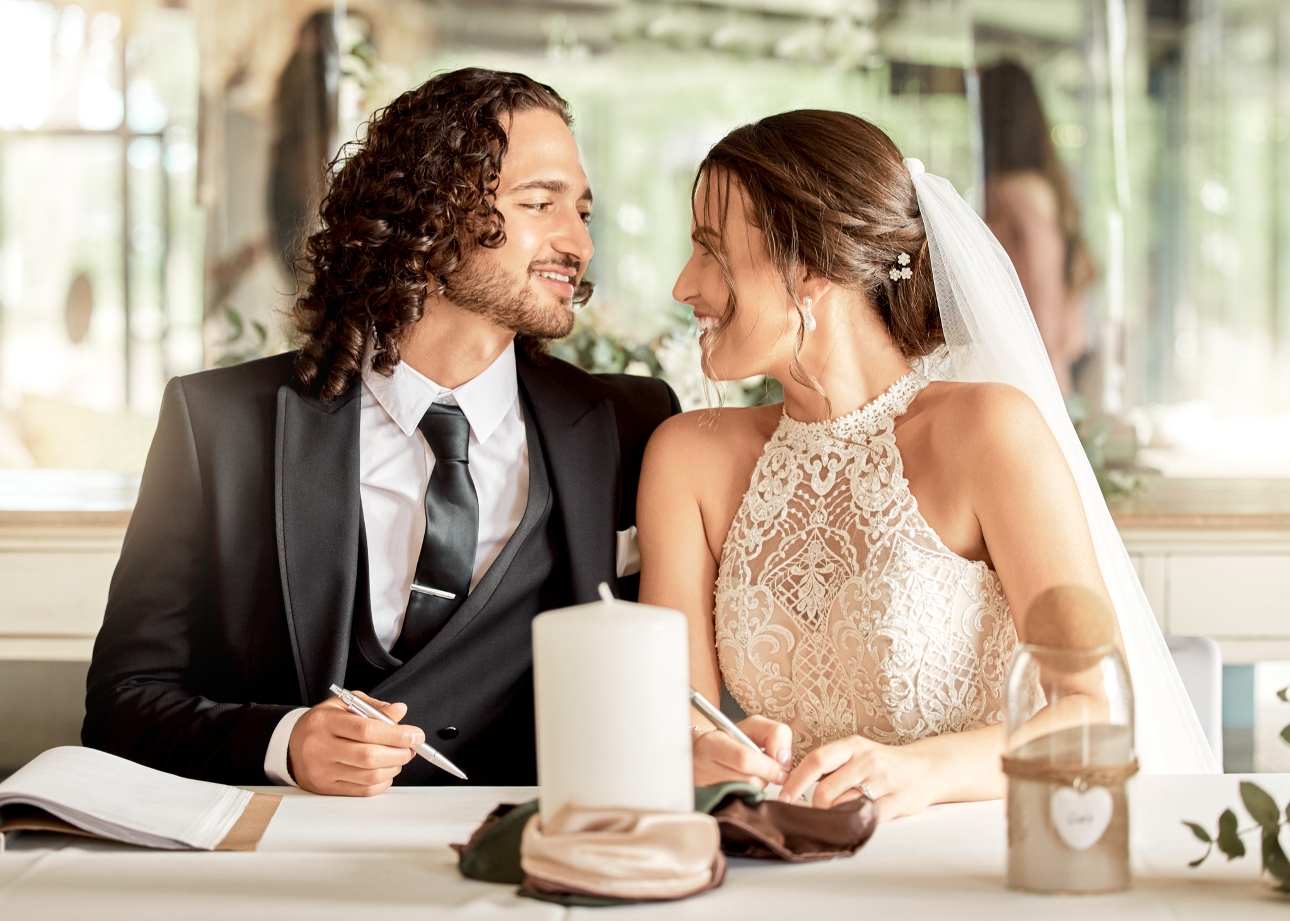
(387, 858)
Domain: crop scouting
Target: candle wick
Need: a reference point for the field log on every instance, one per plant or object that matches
(605, 594)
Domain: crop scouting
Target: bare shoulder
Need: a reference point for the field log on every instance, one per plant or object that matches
(985, 419)
(1027, 190)
(705, 431)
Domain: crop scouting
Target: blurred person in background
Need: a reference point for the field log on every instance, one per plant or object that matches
(1030, 207)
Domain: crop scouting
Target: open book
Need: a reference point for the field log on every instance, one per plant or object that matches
(86, 791)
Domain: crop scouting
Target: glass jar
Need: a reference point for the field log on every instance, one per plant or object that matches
(1069, 754)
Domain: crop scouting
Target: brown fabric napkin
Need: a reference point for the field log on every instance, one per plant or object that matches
(772, 830)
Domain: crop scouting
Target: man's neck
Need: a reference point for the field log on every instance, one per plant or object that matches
(451, 346)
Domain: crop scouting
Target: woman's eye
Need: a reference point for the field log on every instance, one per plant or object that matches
(586, 217)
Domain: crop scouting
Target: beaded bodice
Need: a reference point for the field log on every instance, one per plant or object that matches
(839, 611)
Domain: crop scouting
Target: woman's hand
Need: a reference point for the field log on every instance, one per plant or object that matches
(900, 777)
(719, 757)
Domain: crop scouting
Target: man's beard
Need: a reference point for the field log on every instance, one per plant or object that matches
(484, 287)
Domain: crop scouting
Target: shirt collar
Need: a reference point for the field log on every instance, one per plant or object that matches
(484, 400)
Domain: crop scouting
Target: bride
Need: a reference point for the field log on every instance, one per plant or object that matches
(857, 562)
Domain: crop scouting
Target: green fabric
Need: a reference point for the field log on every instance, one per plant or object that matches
(710, 799)
(495, 857)
(574, 901)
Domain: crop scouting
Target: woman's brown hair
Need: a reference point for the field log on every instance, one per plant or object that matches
(401, 214)
(830, 193)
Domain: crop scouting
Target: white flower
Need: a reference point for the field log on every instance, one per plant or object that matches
(903, 259)
(894, 274)
(906, 273)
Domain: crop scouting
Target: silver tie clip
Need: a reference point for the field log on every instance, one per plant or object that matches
(437, 592)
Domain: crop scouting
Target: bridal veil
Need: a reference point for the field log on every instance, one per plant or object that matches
(990, 334)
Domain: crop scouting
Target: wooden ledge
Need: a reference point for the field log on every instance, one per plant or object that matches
(64, 518)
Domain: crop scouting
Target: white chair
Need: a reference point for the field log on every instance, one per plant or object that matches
(1200, 663)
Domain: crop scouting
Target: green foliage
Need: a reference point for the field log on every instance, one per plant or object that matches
(242, 343)
(1267, 816)
(1229, 839)
(1261, 807)
(593, 350)
(1093, 437)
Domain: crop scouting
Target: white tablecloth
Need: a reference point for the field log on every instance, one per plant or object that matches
(387, 858)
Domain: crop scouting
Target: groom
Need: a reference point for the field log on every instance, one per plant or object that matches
(388, 508)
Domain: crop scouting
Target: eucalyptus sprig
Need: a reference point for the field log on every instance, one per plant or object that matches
(1285, 730)
(1267, 816)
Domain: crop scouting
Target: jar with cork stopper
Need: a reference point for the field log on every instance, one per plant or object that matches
(1069, 751)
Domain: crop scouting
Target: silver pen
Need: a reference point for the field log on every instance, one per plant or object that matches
(723, 722)
(363, 708)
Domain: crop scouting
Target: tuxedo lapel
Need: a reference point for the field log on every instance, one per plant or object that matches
(318, 511)
(579, 432)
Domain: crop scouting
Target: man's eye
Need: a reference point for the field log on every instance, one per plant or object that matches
(539, 206)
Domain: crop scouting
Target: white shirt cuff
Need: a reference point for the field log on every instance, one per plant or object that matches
(275, 759)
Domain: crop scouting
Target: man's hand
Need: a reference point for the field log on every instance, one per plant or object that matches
(719, 757)
(339, 753)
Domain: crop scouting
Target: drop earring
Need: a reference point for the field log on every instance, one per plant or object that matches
(808, 318)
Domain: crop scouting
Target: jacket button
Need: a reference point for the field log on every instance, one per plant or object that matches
(447, 732)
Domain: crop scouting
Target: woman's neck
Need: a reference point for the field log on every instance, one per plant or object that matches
(851, 355)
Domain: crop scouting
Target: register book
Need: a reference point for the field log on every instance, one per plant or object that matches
(88, 792)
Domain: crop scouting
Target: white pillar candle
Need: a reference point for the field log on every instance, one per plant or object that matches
(611, 685)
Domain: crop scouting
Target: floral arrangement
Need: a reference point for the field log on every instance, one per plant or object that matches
(1116, 478)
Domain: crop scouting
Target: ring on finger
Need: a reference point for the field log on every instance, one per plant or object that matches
(864, 788)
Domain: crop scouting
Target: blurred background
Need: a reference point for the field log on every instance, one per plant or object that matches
(159, 162)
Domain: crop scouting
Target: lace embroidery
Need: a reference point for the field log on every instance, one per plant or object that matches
(839, 611)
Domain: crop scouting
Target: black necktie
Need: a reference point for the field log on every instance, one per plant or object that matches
(447, 558)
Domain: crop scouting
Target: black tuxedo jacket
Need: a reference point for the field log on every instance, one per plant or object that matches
(233, 600)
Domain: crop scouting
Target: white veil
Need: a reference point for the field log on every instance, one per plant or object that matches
(991, 335)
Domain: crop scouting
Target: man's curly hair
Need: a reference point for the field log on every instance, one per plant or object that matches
(402, 212)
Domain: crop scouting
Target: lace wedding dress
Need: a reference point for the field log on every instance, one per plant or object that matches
(839, 611)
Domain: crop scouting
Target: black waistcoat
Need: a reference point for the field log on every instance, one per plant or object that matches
(479, 718)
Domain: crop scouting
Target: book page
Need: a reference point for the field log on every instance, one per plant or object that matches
(116, 798)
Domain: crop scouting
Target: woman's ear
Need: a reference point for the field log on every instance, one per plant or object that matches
(812, 286)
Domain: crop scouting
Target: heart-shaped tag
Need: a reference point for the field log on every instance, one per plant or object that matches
(1081, 818)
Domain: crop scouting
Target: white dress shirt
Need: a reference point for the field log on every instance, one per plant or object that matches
(395, 464)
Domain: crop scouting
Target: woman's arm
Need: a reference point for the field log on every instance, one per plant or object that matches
(1025, 499)
(679, 571)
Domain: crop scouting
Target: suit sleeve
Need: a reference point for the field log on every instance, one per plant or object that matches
(641, 406)
(149, 650)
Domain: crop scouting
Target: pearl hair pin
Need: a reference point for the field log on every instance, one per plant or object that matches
(904, 273)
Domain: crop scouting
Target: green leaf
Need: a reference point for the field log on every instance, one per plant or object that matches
(1199, 832)
(236, 324)
(1285, 736)
(1274, 859)
(1282, 694)
(1229, 842)
(1201, 859)
(1262, 807)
